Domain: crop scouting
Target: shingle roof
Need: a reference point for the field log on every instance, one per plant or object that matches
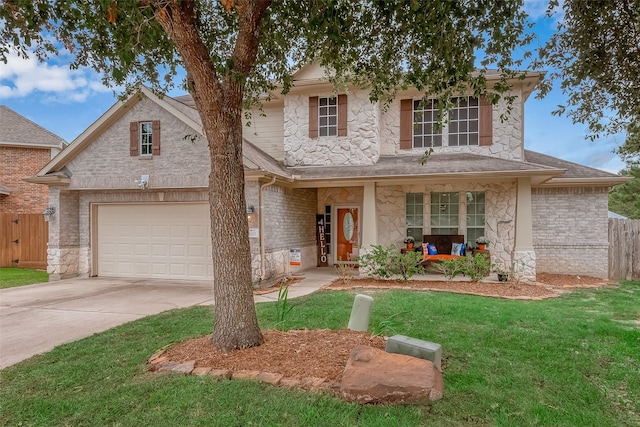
(572, 170)
(16, 129)
(436, 165)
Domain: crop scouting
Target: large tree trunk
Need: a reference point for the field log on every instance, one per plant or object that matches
(219, 102)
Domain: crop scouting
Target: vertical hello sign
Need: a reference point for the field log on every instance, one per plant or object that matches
(323, 260)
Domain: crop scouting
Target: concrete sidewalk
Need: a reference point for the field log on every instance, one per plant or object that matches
(36, 318)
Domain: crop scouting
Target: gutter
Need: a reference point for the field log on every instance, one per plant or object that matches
(261, 207)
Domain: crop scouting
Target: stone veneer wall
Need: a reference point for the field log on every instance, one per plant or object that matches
(63, 249)
(507, 135)
(339, 196)
(570, 230)
(289, 222)
(500, 211)
(361, 146)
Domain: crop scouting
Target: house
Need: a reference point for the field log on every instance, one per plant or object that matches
(131, 196)
(25, 148)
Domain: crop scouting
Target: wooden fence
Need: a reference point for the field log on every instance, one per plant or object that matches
(624, 249)
(23, 240)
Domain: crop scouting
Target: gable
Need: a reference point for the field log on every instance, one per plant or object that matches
(108, 162)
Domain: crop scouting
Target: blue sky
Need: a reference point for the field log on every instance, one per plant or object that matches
(67, 101)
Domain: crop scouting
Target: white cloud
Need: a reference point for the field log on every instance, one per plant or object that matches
(20, 78)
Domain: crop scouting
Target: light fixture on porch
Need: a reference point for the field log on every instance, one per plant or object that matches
(48, 213)
(250, 212)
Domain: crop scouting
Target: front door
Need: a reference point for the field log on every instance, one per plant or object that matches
(347, 231)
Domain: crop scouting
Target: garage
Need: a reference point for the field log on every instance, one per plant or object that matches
(164, 241)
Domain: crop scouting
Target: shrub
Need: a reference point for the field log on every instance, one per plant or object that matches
(450, 268)
(406, 264)
(387, 262)
(477, 267)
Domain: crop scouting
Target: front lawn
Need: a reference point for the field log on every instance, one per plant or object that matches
(11, 277)
(569, 361)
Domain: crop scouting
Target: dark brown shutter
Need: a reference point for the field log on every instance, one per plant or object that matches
(313, 117)
(155, 139)
(342, 115)
(406, 123)
(486, 122)
(134, 139)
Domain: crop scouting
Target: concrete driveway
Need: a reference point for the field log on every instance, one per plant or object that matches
(36, 318)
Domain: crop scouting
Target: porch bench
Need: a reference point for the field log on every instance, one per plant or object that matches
(444, 244)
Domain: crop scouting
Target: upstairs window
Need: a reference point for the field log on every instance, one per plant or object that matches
(426, 132)
(328, 116)
(144, 138)
(470, 123)
(464, 122)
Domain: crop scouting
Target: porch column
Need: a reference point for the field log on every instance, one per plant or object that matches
(369, 217)
(524, 256)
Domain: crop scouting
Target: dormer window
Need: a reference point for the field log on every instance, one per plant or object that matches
(328, 116)
(144, 138)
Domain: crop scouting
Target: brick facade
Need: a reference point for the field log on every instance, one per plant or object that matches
(570, 230)
(17, 163)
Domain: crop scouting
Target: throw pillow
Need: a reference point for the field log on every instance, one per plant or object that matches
(457, 248)
(432, 249)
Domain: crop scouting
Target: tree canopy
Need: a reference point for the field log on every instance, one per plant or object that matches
(595, 55)
(624, 199)
(235, 50)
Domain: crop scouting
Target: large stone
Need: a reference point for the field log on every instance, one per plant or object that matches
(374, 376)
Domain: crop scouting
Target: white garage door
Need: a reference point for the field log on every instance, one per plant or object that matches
(167, 241)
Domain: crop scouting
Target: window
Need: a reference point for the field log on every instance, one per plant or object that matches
(470, 123)
(444, 213)
(425, 130)
(414, 215)
(146, 139)
(463, 122)
(328, 116)
(475, 215)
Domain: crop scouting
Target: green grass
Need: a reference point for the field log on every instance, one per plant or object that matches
(11, 277)
(570, 361)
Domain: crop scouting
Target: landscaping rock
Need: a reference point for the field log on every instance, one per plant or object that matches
(374, 376)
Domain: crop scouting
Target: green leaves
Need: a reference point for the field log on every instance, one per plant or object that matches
(595, 54)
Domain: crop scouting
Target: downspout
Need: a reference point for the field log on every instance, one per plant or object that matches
(260, 203)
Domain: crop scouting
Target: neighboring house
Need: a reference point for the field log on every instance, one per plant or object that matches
(25, 148)
(131, 191)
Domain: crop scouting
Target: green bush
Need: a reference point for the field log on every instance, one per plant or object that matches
(387, 262)
(450, 268)
(477, 267)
